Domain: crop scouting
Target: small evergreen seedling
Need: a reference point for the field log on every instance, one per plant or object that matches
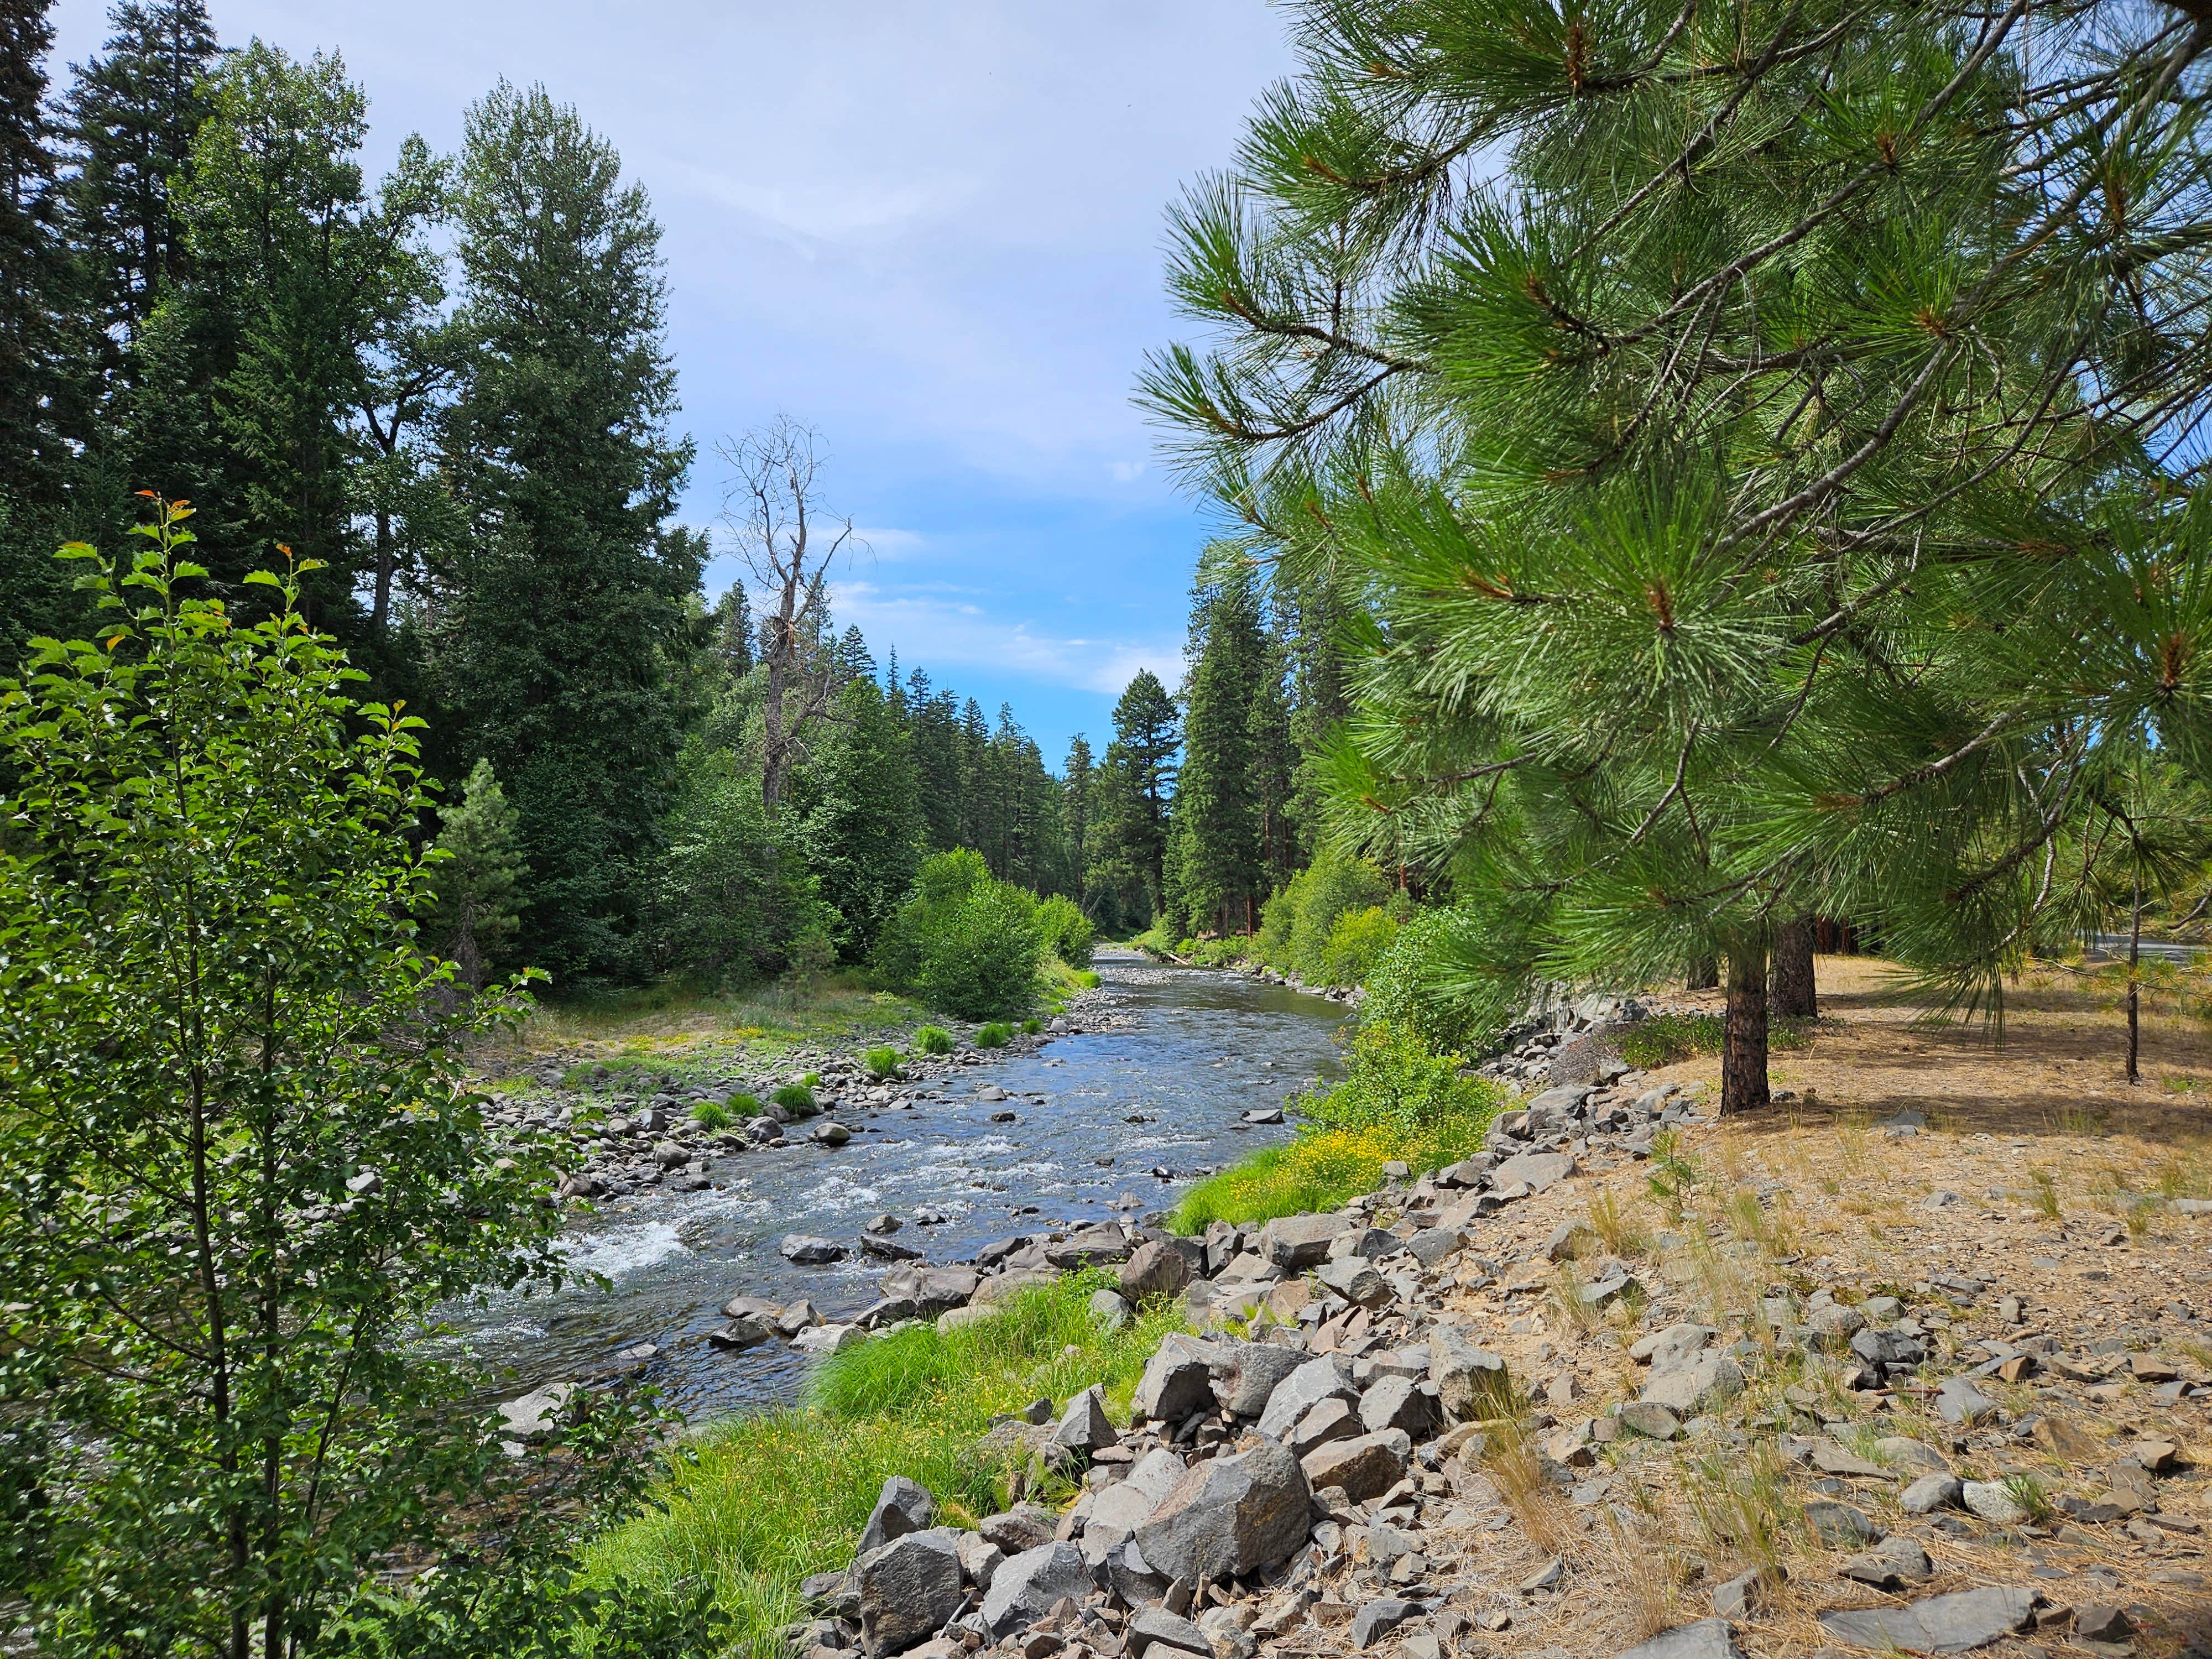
(934, 1040)
(995, 1035)
(711, 1114)
(883, 1062)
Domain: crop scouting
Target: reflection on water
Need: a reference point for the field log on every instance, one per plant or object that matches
(1203, 1049)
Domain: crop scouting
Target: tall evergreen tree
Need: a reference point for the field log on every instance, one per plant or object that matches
(35, 386)
(131, 118)
(1147, 735)
(1217, 817)
(1076, 777)
(862, 828)
(566, 608)
(478, 884)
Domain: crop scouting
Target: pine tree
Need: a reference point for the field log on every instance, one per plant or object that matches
(567, 606)
(479, 884)
(132, 118)
(1077, 775)
(1218, 808)
(1141, 761)
(862, 831)
(933, 719)
(1766, 496)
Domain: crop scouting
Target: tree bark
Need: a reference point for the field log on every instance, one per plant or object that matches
(2135, 986)
(1704, 973)
(1743, 1047)
(1795, 997)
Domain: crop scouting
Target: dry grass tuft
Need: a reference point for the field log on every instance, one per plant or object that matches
(1516, 1469)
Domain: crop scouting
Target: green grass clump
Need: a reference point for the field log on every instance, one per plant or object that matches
(881, 1062)
(1665, 1038)
(745, 1105)
(795, 1098)
(1400, 1103)
(773, 1497)
(934, 1040)
(1087, 978)
(1032, 1025)
(996, 1035)
(711, 1114)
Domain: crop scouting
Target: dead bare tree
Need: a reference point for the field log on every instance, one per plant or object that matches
(789, 543)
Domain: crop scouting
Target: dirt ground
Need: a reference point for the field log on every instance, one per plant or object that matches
(2033, 1169)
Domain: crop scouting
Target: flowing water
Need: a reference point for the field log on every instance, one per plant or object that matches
(1197, 1049)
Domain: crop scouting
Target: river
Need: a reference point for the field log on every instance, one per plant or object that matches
(1197, 1050)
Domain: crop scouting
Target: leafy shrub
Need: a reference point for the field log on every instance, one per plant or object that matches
(934, 1040)
(1296, 923)
(1065, 930)
(963, 941)
(795, 1098)
(1357, 942)
(881, 1062)
(1032, 1025)
(1435, 982)
(711, 1114)
(995, 1035)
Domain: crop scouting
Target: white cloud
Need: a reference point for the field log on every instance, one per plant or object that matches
(944, 633)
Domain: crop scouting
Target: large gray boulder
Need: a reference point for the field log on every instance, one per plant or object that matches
(1022, 1528)
(933, 1290)
(1295, 1242)
(1471, 1380)
(1537, 1170)
(908, 1588)
(1230, 1516)
(1176, 1383)
(1025, 1586)
(1155, 1269)
(1252, 1375)
(901, 1508)
(1354, 1279)
(1956, 1623)
(1366, 1466)
(1161, 1633)
(808, 1251)
(1306, 1387)
(1083, 1426)
(1399, 1403)
(1090, 1246)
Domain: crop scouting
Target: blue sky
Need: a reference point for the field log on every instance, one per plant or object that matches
(931, 231)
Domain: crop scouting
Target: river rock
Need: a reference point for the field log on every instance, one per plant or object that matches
(902, 1507)
(908, 1588)
(810, 1252)
(738, 1334)
(1176, 1383)
(1399, 1402)
(1154, 1269)
(1943, 1624)
(997, 1287)
(1230, 1516)
(1366, 1466)
(535, 1415)
(933, 1290)
(1111, 1310)
(829, 1133)
(1931, 1492)
(1471, 1380)
(1536, 1170)
(1025, 1586)
(1090, 1246)
(1082, 1427)
(1254, 1370)
(1354, 1279)
(1377, 1619)
(1295, 1242)
(1688, 1388)
(1708, 1638)
(1307, 1385)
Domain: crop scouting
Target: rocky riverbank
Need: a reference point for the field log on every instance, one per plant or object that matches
(1632, 1382)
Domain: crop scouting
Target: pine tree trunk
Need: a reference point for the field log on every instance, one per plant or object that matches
(1704, 973)
(1795, 997)
(1743, 1047)
(2135, 966)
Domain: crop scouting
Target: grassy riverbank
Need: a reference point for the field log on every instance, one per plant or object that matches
(1400, 1104)
(763, 1500)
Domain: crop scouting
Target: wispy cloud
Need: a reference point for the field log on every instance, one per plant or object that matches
(944, 633)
